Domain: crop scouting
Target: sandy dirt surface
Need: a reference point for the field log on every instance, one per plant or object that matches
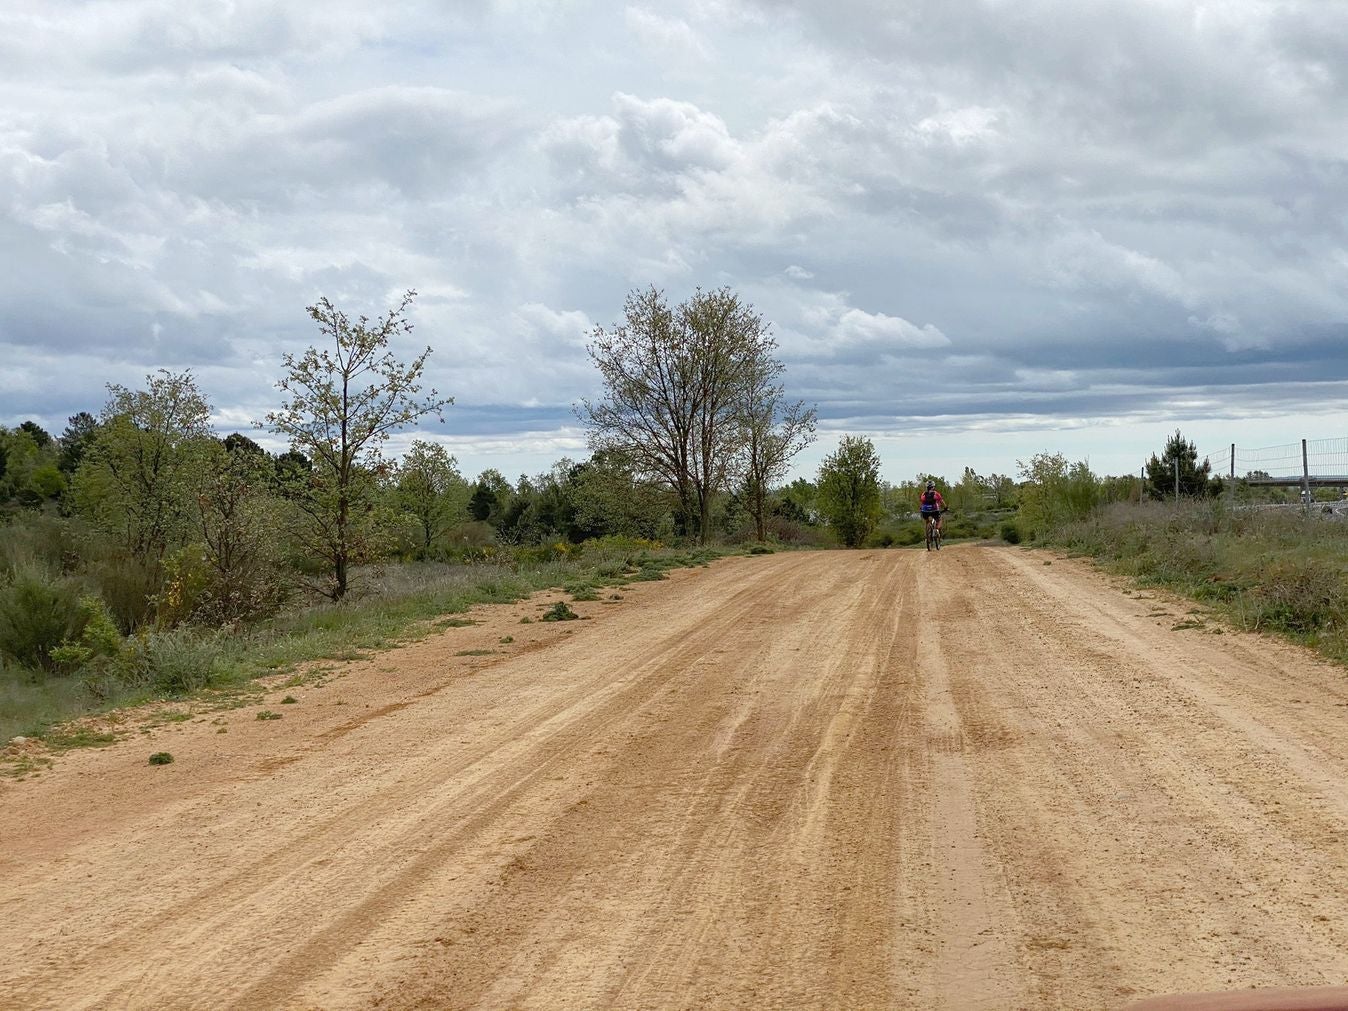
(886, 779)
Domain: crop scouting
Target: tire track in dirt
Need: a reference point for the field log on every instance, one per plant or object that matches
(690, 872)
(834, 779)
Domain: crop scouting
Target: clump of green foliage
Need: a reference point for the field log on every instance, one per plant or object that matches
(37, 614)
(161, 758)
(560, 611)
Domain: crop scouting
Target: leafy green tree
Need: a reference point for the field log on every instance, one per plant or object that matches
(1180, 455)
(1001, 491)
(28, 467)
(430, 488)
(969, 494)
(490, 495)
(1054, 492)
(139, 474)
(798, 501)
(611, 498)
(849, 489)
(542, 508)
(293, 471)
(342, 404)
(41, 437)
(76, 439)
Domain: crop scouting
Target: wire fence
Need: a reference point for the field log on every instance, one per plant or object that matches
(1313, 460)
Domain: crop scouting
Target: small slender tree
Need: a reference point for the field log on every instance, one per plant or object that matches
(238, 529)
(775, 430)
(343, 402)
(849, 489)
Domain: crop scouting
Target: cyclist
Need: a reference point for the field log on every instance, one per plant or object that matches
(931, 505)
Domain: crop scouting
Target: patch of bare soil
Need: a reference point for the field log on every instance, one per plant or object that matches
(833, 779)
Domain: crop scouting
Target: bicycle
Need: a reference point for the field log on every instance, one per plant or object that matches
(932, 521)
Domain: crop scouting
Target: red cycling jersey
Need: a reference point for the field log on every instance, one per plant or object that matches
(937, 504)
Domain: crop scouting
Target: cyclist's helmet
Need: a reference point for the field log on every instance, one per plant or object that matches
(931, 486)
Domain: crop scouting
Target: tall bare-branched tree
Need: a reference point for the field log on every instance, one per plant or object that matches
(344, 401)
(645, 415)
(775, 430)
(731, 349)
(675, 386)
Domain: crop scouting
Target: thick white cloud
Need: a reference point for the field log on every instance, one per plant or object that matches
(1019, 214)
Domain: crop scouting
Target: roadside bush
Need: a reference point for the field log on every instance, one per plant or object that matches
(1010, 532)
(1302, 596)
(788, 531)
(903, 535)
(128, 587)
(37, 613)
(184, 587)
(98, 640)
(174, 662)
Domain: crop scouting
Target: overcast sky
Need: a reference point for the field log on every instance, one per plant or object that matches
(981, 229)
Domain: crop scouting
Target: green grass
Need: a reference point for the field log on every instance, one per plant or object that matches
(396, 604)
(78, 737)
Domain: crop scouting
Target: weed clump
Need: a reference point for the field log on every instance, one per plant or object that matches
(560, 611)
(161, 758)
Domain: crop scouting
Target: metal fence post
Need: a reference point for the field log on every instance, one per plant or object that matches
(1305, 479)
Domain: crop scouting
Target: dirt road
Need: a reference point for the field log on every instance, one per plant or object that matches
(788, 781)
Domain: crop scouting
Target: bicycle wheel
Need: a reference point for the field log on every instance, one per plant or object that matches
(931, 533)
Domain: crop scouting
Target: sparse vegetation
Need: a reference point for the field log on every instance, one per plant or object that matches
(560, 611)
(161, 758)
(1279, 571)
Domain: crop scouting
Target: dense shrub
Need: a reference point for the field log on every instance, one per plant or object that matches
(173, 662)
(37, 613)
(1302, 596)
(127, 586)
